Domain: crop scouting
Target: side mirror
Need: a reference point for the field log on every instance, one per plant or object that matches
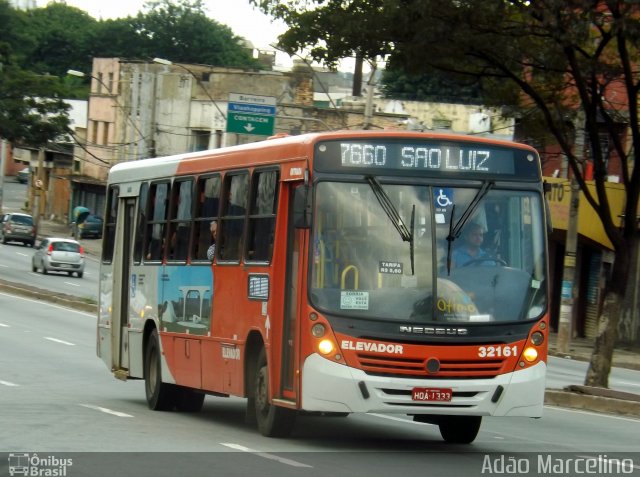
(302, 207)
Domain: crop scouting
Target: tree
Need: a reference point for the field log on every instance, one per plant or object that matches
(31, 111)
(572, 62)
(333, 30)
(62, 36)
(435, 86)
(180, 30)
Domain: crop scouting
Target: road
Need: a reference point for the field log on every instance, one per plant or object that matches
(563, 372)
(15, 259)
(58, 398)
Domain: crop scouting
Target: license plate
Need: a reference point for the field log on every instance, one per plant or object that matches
(431, 394)
(64, 265)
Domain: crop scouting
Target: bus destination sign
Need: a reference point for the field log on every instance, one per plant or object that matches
(456, 158)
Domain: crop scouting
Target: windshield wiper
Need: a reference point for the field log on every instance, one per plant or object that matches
(455, 230)
(394, 216)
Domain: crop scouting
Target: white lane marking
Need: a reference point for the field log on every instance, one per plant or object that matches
(608, 463)
(399, 419)
(56, 340)
(72, 284)
(266, 455)
(8, 383)
(4, 266)
(4, 325)
(22, 254)
(626, 383)
(590, 413)
(39, 302)
(106, 410)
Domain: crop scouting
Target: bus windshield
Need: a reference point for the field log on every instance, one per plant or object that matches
(491, 269)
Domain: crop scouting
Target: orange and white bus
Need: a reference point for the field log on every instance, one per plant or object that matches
(337, 283)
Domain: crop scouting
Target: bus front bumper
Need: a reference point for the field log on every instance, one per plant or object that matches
(331, 387)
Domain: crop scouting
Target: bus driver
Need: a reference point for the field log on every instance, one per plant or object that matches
(470, 249)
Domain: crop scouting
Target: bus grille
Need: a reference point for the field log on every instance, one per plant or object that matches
(416, 368)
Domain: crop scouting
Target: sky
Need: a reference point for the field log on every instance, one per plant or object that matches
(244, 19)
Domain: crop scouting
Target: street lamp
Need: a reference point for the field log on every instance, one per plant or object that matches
(80, 74)
(162, 61)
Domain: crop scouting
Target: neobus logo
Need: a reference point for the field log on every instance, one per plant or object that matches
(434, 330)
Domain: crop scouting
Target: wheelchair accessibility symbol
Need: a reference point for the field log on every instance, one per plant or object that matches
(442, 198)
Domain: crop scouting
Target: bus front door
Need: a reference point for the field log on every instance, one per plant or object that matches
(121, 288)
(290, 338)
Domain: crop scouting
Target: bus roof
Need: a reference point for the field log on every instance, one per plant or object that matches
(268, 152)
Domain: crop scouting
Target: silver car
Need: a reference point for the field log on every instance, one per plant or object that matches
(59, 255)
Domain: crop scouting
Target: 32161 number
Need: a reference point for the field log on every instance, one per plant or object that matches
(497, 351)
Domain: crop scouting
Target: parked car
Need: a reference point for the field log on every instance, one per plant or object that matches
(59, 255)
(18, 228)
(91, 227)
(23, 175)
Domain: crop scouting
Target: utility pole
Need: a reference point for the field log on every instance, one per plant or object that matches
(3, 160)
(368, 108)
(569, 291)
(38, 186)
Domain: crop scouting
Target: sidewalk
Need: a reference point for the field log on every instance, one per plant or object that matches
(580, 349)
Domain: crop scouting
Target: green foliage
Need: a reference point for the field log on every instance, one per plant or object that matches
(179, 30)
(38, 46)
(436, 86)
(31, 111)
(333, 29)
(63, 39)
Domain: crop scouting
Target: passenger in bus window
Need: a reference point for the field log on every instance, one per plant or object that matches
(471, 247)
(211, 251)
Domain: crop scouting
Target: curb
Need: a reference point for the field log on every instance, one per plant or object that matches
(37, 294)
(602, 404)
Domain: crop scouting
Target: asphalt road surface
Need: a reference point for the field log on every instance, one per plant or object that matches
(58, 400)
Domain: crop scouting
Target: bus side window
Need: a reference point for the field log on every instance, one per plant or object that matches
(155, 237)
(141, 223)
(110, 227)
(207, 209)
(180, 220)
(233, 217)
(262, 219)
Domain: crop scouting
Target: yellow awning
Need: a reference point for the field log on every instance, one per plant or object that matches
(589, 224)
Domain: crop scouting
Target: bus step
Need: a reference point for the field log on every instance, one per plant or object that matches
(121, 374)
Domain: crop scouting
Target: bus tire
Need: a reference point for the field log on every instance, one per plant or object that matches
(459, 429)
(160, 396)
(188, 400)
(273, 421)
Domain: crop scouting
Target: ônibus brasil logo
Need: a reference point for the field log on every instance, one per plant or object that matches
(22, 463)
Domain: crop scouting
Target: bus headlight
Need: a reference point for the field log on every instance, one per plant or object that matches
(326, 347)
(537, 338)
(530, 354)
(318, 330)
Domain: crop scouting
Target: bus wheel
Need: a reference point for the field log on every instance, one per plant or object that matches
(160, 396)
(273, 421)
(188, 400)
(459, 429)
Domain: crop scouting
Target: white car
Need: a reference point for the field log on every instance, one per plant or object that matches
(59, 255)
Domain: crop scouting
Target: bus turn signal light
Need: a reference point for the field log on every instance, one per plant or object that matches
(326, 347)
(530, 354)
